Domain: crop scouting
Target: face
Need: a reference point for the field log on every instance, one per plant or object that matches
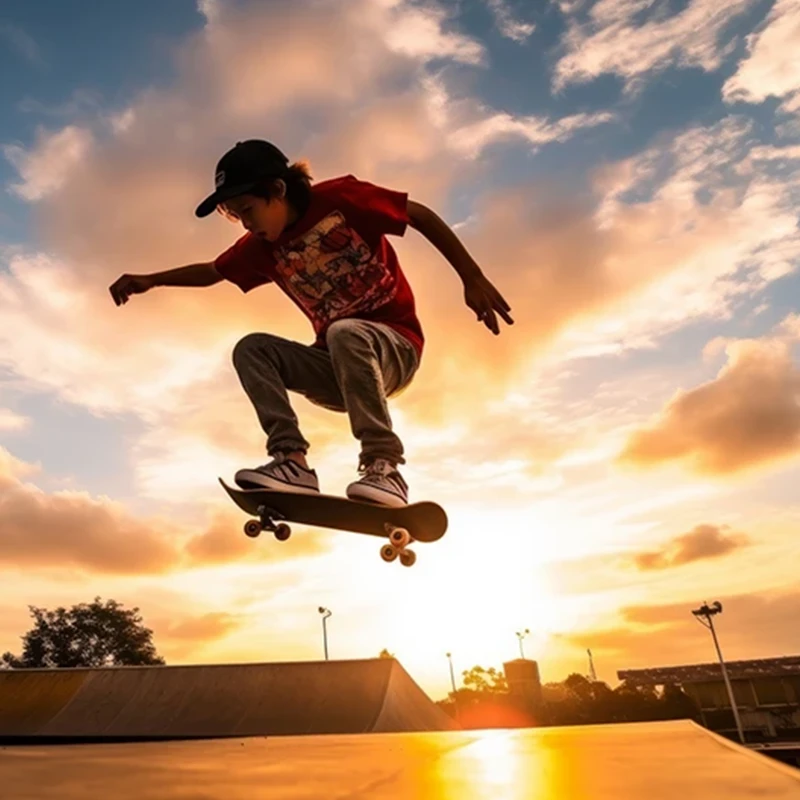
(264, 218)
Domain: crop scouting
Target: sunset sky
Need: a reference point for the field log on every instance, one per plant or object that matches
(627, 172)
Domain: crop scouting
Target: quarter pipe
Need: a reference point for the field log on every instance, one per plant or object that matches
(218, 700)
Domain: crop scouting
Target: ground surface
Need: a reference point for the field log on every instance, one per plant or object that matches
(654, 761)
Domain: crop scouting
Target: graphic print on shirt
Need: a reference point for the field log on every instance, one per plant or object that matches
(332, 272)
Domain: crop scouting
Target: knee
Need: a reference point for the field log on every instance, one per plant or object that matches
(252, 345)
(345, 334)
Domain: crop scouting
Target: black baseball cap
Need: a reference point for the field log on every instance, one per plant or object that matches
(241, 169)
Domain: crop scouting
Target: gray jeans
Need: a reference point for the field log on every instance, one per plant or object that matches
(365, 363)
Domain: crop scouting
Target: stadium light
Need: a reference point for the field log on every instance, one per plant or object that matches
(452, 674)
(707, 612)
(521, 635)
(325, 614)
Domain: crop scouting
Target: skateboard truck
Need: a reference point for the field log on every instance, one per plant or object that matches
(399, 539)
(266, 522)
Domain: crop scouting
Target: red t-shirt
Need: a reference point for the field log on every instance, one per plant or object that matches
(335, 261)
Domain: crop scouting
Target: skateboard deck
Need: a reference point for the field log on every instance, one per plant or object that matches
(420, 522)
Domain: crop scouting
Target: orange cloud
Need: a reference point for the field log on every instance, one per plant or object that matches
(755, 625)
(205, 628)
(71, 530)
(747, 417)
(616, 570)
(224, 542)
(702, 542)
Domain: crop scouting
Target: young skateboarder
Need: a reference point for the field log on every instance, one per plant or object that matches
(324, 244)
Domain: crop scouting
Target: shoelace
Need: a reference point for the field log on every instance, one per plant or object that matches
(380, 470)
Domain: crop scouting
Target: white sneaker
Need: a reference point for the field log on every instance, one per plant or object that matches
(282, 474)
(381, 483)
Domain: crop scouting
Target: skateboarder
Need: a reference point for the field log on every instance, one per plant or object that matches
(324, 244)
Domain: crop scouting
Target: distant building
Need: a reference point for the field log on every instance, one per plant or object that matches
(766, 691)
(524, 684)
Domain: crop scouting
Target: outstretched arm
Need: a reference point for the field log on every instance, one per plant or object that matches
(479, 293)
(203, 274)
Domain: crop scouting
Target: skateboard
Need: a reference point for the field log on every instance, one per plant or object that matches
(417, 522)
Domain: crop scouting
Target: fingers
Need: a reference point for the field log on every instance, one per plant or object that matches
(485, 313)
(120, 290)
(117, 294)
(505, 315)
(485, 302)
(501, 306)
(488, 318)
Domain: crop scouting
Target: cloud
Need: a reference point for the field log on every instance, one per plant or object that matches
(71, 530)
(620, 573)
(81, 101)
(772, 153)
(471, 139)
(46, 167)
(752, 625)
(224, 542)
(571, 268)
(770, 67)
(22, 43)
(701, 543)
(382, 115)
(507, 23)
(570, 263)
(630, 38)
(419, 32)
(11, 421)
(719, 227)
(745, 418)
(201, 629)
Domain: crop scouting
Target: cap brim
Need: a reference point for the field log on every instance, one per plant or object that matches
(220, 196)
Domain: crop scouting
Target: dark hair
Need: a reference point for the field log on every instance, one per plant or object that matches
(298, 186)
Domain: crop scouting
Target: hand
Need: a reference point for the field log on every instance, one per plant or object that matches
(126, 285)
(481, 296)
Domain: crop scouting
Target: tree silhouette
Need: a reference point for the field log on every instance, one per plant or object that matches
(490, 681)
(385, 654)
(87, 635)
(484, 701)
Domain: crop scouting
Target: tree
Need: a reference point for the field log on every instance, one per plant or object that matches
(677, 704)
(580, 686)
(385, 654)
(87, 635)
(489, 681)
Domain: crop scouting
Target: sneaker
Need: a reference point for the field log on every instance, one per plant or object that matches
(381, 483)
(282, 474)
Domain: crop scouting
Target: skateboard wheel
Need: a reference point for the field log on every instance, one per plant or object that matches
(407, 558)
(399, 537)
(282, 532)
(388, 553)
(252, 528)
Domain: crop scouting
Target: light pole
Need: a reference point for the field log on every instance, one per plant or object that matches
(455, 691)
(521, 635)
(592, 673)
(325, 614)
(707, 612)
(452, 674)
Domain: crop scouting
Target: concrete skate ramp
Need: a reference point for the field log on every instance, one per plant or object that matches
(290, 698)
(630, 761)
